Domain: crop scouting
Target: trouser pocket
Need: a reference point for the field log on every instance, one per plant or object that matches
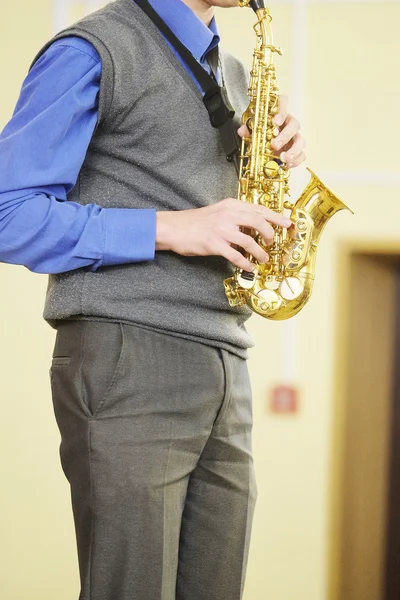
(86, 360)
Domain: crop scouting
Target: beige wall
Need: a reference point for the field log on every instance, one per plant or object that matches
(351, 94)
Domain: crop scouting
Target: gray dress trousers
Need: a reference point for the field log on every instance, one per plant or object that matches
(156, 446)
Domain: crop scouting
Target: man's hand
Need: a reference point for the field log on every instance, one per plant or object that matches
(288, 143)
(214, 230)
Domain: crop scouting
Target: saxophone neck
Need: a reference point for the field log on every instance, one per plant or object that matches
(259, 8)
(263, 29)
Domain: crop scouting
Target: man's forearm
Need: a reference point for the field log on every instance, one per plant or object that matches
(49, 236)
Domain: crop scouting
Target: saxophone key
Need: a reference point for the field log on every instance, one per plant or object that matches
(272, 282)
(246, 279)
(266, 302)
(291, 288)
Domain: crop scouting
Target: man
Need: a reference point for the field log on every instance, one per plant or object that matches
(115, 183)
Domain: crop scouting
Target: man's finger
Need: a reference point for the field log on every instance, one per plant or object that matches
(291, 128)
(269, 215)
(250, 245)
(296, 147)
(244, 132)
(236, 258)
(281, 117)
(298, 160)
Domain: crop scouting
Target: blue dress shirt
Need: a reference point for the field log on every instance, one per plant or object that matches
(42, 150)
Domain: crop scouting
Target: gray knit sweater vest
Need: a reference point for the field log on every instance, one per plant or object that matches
(154, 147)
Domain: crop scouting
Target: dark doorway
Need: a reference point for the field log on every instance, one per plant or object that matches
(393, 521)
(366, 452)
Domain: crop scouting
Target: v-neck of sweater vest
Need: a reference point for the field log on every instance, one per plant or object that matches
(132, 9)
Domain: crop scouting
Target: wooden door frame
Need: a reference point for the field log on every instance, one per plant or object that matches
(346, 252)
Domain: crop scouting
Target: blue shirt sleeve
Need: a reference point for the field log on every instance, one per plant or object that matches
(42, 150)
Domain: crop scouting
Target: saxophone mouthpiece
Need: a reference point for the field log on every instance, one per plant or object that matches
(257, 4)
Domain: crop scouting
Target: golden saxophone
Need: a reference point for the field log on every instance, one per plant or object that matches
(280, 288)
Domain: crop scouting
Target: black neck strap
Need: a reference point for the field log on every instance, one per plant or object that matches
(215, 97)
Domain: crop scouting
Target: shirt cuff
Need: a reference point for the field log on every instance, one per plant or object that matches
(130, 235)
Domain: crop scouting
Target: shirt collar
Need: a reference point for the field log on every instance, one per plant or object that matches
(188, 28)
